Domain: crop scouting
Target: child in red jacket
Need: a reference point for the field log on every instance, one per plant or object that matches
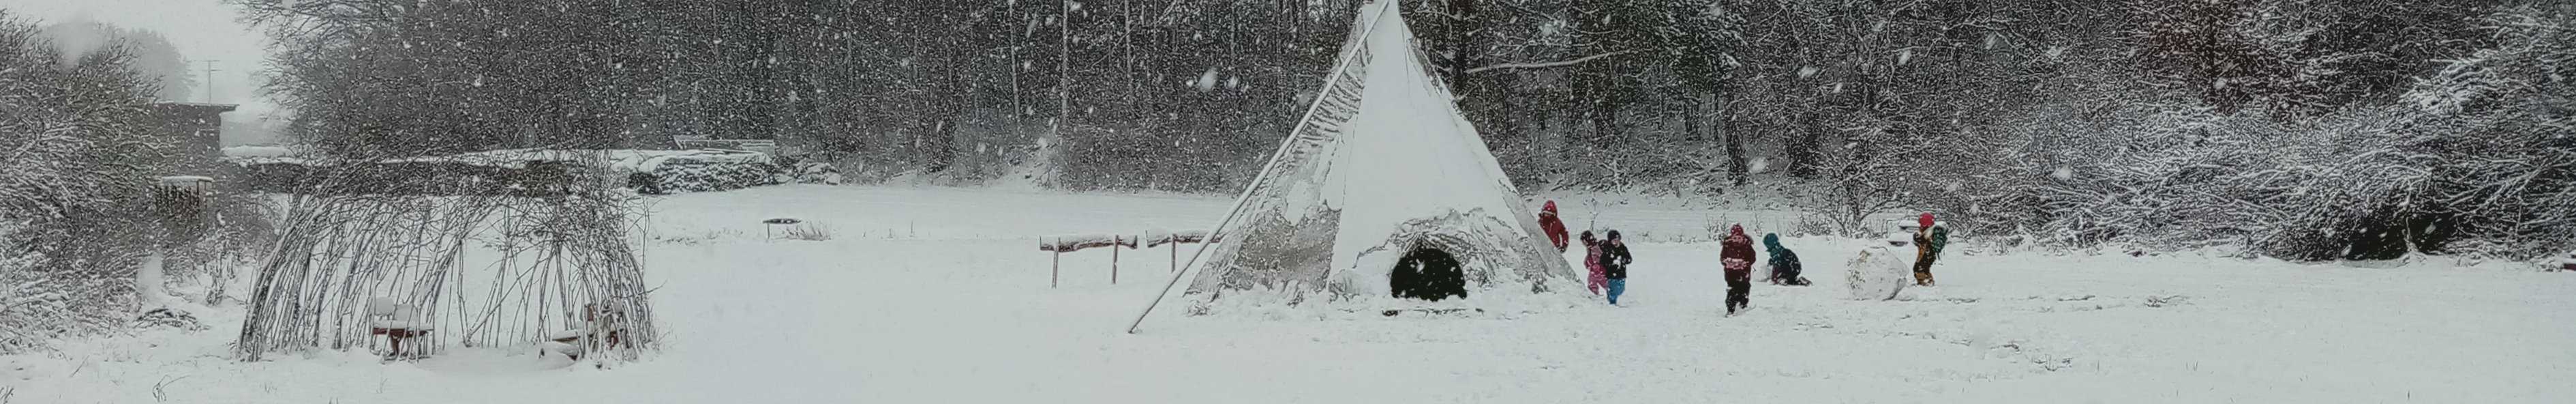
(1554, 227)
(1737, 254)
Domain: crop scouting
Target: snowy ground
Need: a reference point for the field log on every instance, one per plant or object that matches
(940, 295)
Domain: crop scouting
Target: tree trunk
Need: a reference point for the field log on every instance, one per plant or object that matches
(1735, 167)
(1020, 39)
(1802, 150)
(1551, 150)
(959, 92)
(1605, 126)
(941, 147)
(1127, 72)
(1691, 117)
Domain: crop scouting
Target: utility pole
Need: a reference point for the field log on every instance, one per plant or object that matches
(210, 79)
(1019, 40)
(1128, 72)
(1064, 70)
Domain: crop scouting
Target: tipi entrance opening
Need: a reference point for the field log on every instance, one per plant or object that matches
(1428, 273)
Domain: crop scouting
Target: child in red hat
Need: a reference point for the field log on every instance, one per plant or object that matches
(1928, 241)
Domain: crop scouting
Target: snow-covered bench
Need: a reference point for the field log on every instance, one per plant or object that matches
(1158, 239)
(1061, 244)
(397, 322)
(1078, 242)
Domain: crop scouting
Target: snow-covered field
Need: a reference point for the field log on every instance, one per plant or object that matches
(940, 295)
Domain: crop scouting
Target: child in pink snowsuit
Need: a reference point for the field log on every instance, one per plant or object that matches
(1592, 261)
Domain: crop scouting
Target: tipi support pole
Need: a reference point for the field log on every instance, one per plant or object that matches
(1240, 200)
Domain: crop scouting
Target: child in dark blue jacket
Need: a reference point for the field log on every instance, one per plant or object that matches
(1784, 263)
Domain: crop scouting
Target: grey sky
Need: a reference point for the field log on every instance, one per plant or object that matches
(201, 29)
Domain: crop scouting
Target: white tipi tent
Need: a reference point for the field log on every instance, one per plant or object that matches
(1381, 164)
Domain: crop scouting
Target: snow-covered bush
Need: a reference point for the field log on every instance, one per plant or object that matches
(514, 172)
(1874, 171)
(73, 198)
(22, 295)
(2493, 135)
(2475, 158)
(817, 172)
(807, 232)
(2364, 183)
(1810, 225)
(2178, 178)
(42, 297)
(686, 174)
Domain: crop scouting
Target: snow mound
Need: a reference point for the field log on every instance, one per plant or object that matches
(1878, 273)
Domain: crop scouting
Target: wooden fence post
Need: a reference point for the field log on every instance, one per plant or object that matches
(1114, 241)
(1055, 272)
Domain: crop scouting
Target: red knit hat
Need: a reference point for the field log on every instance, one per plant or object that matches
(1926, 221)
(1551, 207)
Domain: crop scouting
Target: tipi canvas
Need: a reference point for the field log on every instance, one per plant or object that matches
(1382, 165)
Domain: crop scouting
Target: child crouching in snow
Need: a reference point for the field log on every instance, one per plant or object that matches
(1784, 263)
(1879, 272)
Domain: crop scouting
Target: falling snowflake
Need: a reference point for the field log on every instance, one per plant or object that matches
(1206, 81)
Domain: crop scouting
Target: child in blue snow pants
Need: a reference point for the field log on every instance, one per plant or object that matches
(1617, 286)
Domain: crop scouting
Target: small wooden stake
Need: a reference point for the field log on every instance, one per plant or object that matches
(1055, 272)
(1114, 241)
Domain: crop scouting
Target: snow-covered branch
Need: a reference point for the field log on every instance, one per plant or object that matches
(1544, 65)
